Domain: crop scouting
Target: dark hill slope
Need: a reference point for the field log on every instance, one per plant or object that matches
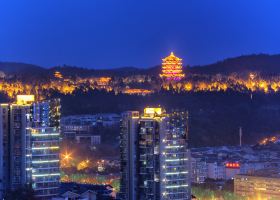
(262, 63)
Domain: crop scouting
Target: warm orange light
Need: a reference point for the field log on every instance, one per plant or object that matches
(153, 111)
(66, 156)
(137, 91)
(57, 74)
(25, 99)
(172, 68)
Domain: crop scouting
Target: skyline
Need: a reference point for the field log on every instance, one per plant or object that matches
(112, 34)
(137, 100)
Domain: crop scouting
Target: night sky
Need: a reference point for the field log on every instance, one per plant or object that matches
(116, 33)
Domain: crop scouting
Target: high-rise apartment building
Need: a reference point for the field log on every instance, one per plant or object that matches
(29, 136)
(154, 155)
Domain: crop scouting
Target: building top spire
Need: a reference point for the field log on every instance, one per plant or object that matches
(171, 57)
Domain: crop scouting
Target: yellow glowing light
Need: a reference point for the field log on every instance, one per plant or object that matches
(66, 156)
(25, 99)
(83, 164)
(153, 111)
(137, 91)
(172, 68)
(57, 74)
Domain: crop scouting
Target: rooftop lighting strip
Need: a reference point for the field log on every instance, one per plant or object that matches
(44, 161)
(173, 147)
(41, 175)
(174, 173)
(167, 193)
(172, 180)
(176, 186)
(172, 160)
(42, 148)
(171, 153)
(42, 135)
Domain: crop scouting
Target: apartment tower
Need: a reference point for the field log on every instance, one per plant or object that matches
(154, 155)
(29, 150)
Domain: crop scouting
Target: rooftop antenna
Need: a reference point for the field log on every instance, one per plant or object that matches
(240, 136)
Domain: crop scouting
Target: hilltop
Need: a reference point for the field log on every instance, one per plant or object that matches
(214, 113)
(262, 63)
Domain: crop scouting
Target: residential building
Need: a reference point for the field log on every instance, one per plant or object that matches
(224, 162)
(30, 131)
(87, 129)
(76, 191)
(198, 169)
(216, 170)
(232, 168)
(155, 160)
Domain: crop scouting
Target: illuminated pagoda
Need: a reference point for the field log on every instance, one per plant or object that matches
(57, 74)
(172, 68)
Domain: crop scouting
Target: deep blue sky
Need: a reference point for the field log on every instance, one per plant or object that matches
(114, 33)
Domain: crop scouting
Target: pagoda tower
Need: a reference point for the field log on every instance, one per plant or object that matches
(172, 68)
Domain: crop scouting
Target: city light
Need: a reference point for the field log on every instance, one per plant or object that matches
(66, 156)
(25, 99)
(152, 111)
(232, 165)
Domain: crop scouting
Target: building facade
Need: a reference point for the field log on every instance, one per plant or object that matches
(198, 169)
(30, 149)
(154, 155)
(262, 184)
(216, 170)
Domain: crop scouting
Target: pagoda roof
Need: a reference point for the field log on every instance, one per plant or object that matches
(171, 57)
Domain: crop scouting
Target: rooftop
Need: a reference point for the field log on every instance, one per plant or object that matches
(267, 172)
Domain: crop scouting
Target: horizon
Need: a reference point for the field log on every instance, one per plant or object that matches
(108, 34)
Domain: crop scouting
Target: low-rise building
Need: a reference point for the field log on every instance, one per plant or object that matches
(225, 162)
(85, 129)
(216, 170)
(262, 184)
(198, 169)
(76, 191)
(232, 168)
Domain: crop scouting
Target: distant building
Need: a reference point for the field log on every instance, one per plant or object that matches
(82, 128)
(75, 191)
(198, 169)
(29, 148)
(232, 168)
(216, 170)
(58, 75)
(262, 184)
(155, 160)
(252, 166)
(225, 162)
(102, 119)
(172, 69)
(90, 140)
